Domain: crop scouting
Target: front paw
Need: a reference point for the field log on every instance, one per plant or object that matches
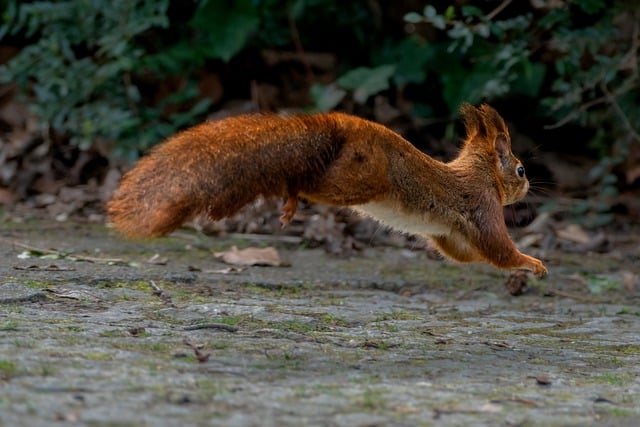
(536, 266)
(540, 270)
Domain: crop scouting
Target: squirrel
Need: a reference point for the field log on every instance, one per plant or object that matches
(218, 167)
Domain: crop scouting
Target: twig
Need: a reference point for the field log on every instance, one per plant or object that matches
(246, 236)
(6, 89)
(610, 97)
(295, 36)
(438, 412)
(51, 267)
(222, 326)
(564, 294)
(633, 50)
(613, 101)
(126, 79)
(497, 10)
(489, 16)
(265, 237)
(65, 254)
(499, 344)
(200, 356)
(157, 291)
(572, 115)
(516, 400)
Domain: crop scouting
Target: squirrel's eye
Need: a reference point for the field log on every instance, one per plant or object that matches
(520, 171)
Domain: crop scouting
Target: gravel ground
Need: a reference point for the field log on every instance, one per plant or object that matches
(100, 331)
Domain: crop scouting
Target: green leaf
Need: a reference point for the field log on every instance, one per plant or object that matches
(609, 191)
(590, 7)
(412, 57)
(462, 84)
(429, 11)
(413, 18)
(598, 284)
(225, 27)
(529, 79)
(554, 17)
(327, 97)
(483, 30)
(365, 82)
(450, 13)
(297, 8)
(469, 10)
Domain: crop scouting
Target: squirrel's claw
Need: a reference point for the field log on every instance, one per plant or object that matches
(288, 210)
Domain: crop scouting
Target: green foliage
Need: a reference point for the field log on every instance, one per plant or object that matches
(216, 30)
(363, 82)
(326, 97)
(481, 58)
(83, 70)
(77, 72)
(602, 95)
(601, 283)
(87, 67)
(224, 27)
(573, 62)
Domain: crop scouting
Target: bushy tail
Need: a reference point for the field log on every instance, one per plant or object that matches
(151, 200)
(218, 167)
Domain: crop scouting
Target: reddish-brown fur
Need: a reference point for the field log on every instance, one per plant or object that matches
(220, 166)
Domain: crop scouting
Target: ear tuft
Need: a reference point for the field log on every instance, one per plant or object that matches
(492, 120)
(472, 118)
(486, 126)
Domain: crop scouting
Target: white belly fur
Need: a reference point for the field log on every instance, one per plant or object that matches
(407, 223)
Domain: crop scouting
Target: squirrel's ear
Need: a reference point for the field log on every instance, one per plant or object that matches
(502, 146)
(472, 118)
(493, 119)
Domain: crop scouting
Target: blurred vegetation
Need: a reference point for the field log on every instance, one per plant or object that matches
(130, 72)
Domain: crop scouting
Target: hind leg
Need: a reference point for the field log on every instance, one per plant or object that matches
(288, 210)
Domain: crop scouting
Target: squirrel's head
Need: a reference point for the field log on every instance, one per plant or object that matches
(488, 136)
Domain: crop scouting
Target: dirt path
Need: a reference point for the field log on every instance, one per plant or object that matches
(92, 334)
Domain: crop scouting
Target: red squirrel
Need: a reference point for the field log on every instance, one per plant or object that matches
(218, 167)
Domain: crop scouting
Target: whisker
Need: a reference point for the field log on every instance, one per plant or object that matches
(542, 184)
(538, 191)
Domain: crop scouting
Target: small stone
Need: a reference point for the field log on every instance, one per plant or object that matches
(543, 380)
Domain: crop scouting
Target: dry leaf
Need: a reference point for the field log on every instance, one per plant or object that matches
(407, 409)
(633, 174)
(490, 408)
(228, 270)
(75, 294)
(574, 233)
(540, 224)
(530, 240)
(6, 196)
(158, 260)
(200, 356)
(629, 280)
(250, 256)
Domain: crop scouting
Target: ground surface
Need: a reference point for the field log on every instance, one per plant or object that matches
(93, 334)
